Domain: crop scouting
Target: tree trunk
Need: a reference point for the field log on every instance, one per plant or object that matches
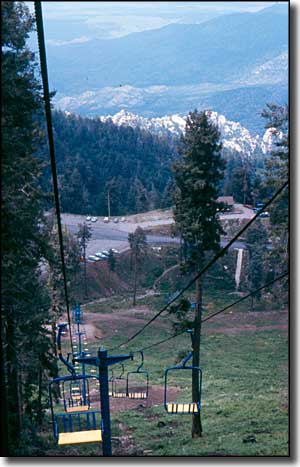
(196, 421)
(39, 409)
(56, 388)
(84, 267)
(4, 394)
(14, 422)
(135, 280)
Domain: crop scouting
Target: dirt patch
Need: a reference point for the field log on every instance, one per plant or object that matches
(122, 404)
(247, 328)
(155, 398)
(231, 323)
(236, 323)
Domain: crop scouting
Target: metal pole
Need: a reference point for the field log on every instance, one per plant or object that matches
(108, 204)
(81, 354)
(104, 397)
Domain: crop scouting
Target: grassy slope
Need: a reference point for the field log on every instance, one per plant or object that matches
(244, 396)
(245, 384)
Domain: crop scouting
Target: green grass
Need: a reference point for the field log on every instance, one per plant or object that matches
(245, 384)
(244, 401)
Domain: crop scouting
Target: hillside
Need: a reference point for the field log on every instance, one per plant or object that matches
(232, 64)
(94, 158)
(224, 49)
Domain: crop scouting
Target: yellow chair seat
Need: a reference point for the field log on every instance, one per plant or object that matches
(80, 408)
(119, 394)
(78, 437)
(182, 408)
(137, 395)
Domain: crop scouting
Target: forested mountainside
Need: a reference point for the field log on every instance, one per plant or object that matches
(94, 157)
(133, 165)
(230, 64)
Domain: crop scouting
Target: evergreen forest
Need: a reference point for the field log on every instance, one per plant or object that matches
(133, 167)
(41, 281)
(94, 158)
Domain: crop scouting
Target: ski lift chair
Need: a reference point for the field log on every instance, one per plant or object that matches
(118, 384)
(78, 424)
(188, 406)
(137, 382)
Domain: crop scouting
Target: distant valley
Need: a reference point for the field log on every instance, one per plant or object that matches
(233, 64)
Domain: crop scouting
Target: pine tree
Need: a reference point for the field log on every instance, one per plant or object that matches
(138, 245)
(111, 263)
(84, 234)
(197, 178)
(256, 237)
(25, 299)
(277, 168)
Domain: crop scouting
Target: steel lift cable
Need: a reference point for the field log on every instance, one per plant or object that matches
(44, 72)
(208, 265)
(217, 312)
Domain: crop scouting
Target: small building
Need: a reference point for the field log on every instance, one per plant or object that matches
(227, 202)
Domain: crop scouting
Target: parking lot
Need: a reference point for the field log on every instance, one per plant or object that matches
(113, 233)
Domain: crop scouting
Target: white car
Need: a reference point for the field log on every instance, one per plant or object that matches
(88, 218)
(116, 220)
(115, 251)
(123, 219)
(100, 255)
(92, 258)
(106, 220)
(105, 252)
(94, 219)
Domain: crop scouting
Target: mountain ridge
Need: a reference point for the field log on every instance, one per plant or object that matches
(233, 135)
(219, 50)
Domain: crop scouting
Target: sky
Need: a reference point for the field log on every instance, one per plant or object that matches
(68, 21)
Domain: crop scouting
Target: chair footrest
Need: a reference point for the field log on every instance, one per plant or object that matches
(137, 395)
(119, 394)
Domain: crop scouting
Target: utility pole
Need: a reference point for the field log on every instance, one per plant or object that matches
(84, 266)
(108, 204)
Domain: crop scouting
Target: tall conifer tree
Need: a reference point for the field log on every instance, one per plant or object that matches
(197, 178)
(277, 172)
(25, 301)
(138, 245)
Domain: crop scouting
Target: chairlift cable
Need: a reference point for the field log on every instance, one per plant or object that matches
(208, 265)
(217, 312)
(44, 73)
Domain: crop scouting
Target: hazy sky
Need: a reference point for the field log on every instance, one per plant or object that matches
(80, 21)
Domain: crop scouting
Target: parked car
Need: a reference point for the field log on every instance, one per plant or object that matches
(88, 218)
(123, 219)
(105, 252)
(100, 255)
(114, 251)
(116, 220)
(106, 220)
(92, 258)
(94, 219)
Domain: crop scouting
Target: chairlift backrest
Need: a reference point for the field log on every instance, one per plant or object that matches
(79, 423)
(142, 391)
(191, 406)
